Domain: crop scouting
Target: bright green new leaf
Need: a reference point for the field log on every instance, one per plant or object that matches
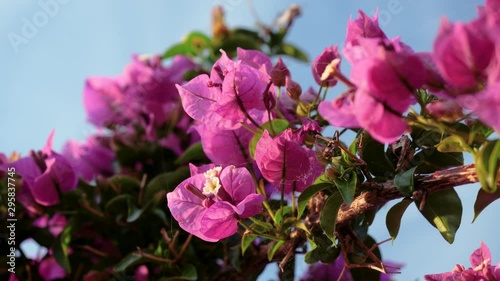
(453, 143)
(443, 209)
(275, 245)
(246, 241)
(60, 249)
(487, 165)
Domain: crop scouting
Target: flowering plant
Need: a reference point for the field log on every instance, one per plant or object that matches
(210, 161)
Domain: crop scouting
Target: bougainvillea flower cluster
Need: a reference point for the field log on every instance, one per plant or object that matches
(210, 203)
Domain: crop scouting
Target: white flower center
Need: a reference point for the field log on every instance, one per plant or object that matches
(212, 182)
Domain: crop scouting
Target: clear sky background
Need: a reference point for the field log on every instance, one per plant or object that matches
(42, 82)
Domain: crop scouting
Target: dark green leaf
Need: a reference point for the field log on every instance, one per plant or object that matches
(198, 40)
(307, 194)
(321, 250)
(328, 216)
(375, 157)
(443, 209)
(404, 182)
(158, 187)
(192, 154)
(347, 186)
(393, 218)
(272, 249)
(125, 184)
(246, 241)
(453, 144)
(431, 160)
(279, 125)
(484, 199)
(130, 259)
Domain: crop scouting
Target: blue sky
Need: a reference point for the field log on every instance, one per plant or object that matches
(43, 80)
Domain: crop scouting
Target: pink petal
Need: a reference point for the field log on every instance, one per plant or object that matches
(480, 255)
(219, 221)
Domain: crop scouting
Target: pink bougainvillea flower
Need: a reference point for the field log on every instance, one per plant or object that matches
(340, 112)
(49, 269)
(481, 268)
(150, 86)
(285, 163)
(90, 158)
(255, 59)
(233, 89)
(55, 224)
(462, 53)
(484, 104)
(319, 65)
(104, 102)
(225, 147)
(279, 73)
(209, 205)
(47, 174)
(385, 83)
(362, 27)
(242, 90)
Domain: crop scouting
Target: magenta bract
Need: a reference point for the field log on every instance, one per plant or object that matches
(209, 205)
(285, 163)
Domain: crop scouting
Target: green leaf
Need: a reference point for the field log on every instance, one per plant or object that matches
(321, 250)
(279, 125)
(484, 199)
(246, 241)
(129, 260)
(328, 216)
(292, 51)
(487, 165)
(404, 182)
(261, 226)
(158, 187)
(60, 249)
(443, 209)
(179, 49)
(198, 40)
(453, 143)
(188, 272)
(347, 186)
(393, 218)
(192, 154)
(375, 157)
(272, 249)
(118, 206)
(431, 160)
(126, 184)
(286, 211)
(309, 193)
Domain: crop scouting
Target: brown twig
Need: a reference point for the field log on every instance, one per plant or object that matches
(387, 191)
